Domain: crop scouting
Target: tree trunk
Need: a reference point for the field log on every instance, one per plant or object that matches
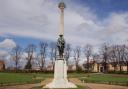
(87, 64)
(120, 68)
(115, 68)
(16, 66)
(28, 65)
(42, 65)
(105, 67)
(77, 67)
(127, 67)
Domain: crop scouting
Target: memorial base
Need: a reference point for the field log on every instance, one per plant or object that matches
(60, 76)
(60, 84)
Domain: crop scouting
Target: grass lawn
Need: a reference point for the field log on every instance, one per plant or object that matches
(20, 78)
(25, 78)
(106, 79)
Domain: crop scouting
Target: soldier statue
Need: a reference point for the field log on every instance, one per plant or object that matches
(61, 45)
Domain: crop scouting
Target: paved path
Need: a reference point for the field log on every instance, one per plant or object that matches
(26, 86)
(74, 80)
(96, 86)
(104, 86)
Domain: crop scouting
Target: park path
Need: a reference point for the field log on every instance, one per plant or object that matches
(96, 86)
(74, 80)
(104, 86)
(26, 86)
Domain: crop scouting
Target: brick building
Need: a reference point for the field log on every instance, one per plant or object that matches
(2, 65)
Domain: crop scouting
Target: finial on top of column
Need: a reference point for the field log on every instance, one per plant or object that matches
(62, 5)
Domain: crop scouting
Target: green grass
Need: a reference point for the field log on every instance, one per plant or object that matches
(106, 79)
(19, 78)
(25, 78)
(76, 75)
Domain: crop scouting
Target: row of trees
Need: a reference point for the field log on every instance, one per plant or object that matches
(30, 53)
(43, 50)
(116, 54)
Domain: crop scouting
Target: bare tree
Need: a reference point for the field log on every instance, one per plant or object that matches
(42, 55)
(120, 55)
(88, 54)
(126, 57)
(113, 56)
(68, 52)
(53, 52)
(77, 54)
(116, 55)
(104, 52)
(96, 59)
(16, 54)
(31, 48)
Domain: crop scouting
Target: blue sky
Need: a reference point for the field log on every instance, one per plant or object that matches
(104, 7)
(86, 21)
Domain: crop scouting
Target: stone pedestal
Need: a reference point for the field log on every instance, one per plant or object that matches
(60, 76)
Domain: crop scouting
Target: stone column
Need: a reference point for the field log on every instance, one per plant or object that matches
(61, 7)
(61, 31)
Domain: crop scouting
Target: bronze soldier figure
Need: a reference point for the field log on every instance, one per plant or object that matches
(61, 45)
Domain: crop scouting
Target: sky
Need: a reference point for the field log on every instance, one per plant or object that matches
(86, 22)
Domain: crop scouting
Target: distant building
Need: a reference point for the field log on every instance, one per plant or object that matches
(71, 67)
(99, 66)
(50, 66)
(36, 68)
(2, 65)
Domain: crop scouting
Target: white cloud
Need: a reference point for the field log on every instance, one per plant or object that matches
(116, 28)
(40, 19)
(7, 44)
(5, 47)
(2, 53)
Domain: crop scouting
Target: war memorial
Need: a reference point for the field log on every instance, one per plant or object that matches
(60, 70)
(24, 64)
